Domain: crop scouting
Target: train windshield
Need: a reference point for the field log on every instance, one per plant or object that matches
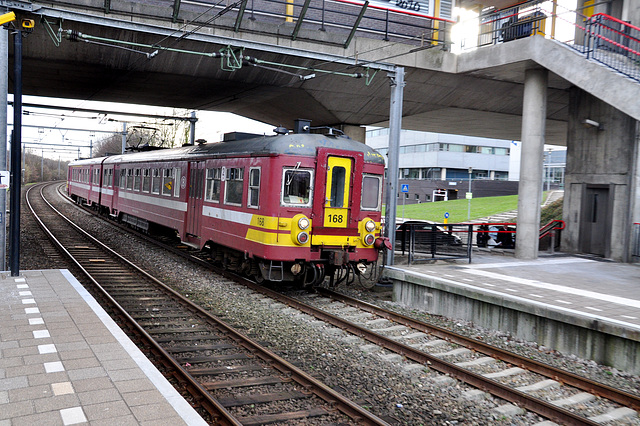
(371, 192)
(296, 187)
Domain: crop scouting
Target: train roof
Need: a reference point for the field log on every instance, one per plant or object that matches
(292, 144)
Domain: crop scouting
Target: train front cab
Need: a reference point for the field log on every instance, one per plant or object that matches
(346, 211)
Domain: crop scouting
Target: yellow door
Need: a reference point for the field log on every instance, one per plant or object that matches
(336, 207)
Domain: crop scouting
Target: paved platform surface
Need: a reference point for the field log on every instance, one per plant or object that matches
(64, 361)
(575, 285)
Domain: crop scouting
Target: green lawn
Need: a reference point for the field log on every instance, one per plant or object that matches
(457, 209)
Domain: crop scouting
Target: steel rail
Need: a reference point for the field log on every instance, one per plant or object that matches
(543, 408)
(337, 400)
(219, 413)
(566, 377)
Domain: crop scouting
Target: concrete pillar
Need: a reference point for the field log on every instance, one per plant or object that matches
(534, 112)
(603, 157)
(443, 173)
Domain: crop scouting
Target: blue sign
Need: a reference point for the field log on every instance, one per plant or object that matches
(446, 215)
(405, 188)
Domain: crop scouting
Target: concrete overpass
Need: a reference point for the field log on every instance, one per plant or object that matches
(480, 93)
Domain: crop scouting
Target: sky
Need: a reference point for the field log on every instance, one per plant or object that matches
(47, 129)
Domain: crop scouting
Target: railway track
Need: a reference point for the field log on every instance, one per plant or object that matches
(234, 379)
(460, 357)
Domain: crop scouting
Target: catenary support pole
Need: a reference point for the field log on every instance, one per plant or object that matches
(16, 169)
(534, 113)
(4, 93)
(395, 125)
(124, 138)
(192, 128)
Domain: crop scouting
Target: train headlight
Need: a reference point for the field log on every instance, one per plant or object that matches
(303, 223)
(302, 237)
(370, 226)
(369, 239)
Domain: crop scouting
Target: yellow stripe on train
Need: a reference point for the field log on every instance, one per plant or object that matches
(269, 235)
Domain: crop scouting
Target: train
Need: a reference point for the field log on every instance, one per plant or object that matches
(295, 207)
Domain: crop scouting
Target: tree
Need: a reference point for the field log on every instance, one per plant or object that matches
(156, 133)
(38, 169)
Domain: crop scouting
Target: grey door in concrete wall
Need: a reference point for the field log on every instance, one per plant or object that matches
(595, 229)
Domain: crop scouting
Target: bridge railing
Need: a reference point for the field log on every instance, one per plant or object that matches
(347, 17)
(614, 43)
(601, 37)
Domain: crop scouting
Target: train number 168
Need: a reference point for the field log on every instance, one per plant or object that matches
(335, 218)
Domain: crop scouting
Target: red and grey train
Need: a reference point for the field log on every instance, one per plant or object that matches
(290, 207)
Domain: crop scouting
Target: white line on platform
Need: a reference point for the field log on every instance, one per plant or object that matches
(188, 414)
(562, 289)
(529, 263)
(518, 298)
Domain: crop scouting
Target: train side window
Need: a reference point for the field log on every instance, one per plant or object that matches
(338, 175)
(213, 185)
(167, 182)
(234, 184)
(96, 177)
(104, 177)
(296, 187)
(136, 180)
(254, 188)
(146, 180)
(156, 181)
(123, 178)
(129, 178)
(371, 192)
(109, 178)
(176, 186)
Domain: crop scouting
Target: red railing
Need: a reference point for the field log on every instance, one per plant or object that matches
(614, 43)
(554, 225)
(601, 37)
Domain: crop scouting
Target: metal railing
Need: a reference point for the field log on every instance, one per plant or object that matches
(346, 17)
(425, 241)
(614, 43)
(603, 38)
(550, 234)
(519, 21)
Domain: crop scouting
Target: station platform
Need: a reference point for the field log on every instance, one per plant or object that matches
(64, 361)
(578, 305)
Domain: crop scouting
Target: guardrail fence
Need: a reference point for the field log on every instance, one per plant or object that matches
(426, 241)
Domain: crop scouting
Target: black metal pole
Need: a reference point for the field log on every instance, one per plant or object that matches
(16, 141)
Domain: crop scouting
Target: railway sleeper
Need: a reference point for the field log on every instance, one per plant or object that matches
(276, 418)
(261, 398)
(246, 382)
